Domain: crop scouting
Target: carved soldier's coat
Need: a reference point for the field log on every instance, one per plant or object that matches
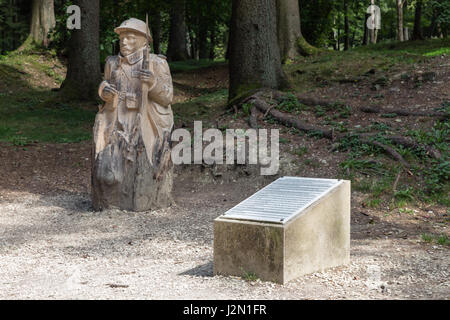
(122, 112)
(132, 166)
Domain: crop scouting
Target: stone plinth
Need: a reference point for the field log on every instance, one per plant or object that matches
(309, 232)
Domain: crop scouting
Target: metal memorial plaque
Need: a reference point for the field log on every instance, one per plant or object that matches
(282, 200)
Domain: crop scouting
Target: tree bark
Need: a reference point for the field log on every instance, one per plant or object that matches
(288, 28)
(255, 60)
(155, 24)
(203, 38)
(83, 71)
(406, 34)
(339, 40)
(177, 49)
(42, 21)
(366, 30)
(400, 31)
(417, 32)
(212, 37)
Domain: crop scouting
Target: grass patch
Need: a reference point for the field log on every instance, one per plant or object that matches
(442, 240)
(37, 116)
(301, 151)
(250, 276)
(29, 111)
(427, 237)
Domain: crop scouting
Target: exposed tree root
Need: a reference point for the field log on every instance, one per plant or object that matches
(390, 151)
(305, 100)
(369, 109)
(259, 104)
(286, 119)
(403, 112)
(409, 143)
(253, 119)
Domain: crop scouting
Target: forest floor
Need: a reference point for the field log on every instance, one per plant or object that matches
(53, 246)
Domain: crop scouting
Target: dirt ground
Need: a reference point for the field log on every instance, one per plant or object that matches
(53, 246)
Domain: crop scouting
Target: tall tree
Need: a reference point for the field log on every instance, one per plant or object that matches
(83, 71)
(346, 27)
(177, 48)
(290, 37)
(400, 34)
(203, 38)
(42, 21)
(155, 24)
(289, 29)
(417, 32)
(255, 60)
(366, 35)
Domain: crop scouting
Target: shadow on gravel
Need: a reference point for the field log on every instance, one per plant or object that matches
(204, 270)
(70, 201)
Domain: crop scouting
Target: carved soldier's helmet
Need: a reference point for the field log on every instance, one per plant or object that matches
(136, 25)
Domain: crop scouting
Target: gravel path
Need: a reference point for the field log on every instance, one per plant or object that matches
(55, 247)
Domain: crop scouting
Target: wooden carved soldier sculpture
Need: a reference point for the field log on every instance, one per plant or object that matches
(132, 166)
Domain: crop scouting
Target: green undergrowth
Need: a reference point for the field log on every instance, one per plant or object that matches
(373, 173)
(438, 239)
(39, 116)
(31, 112)
(355, 65)
(17, 69)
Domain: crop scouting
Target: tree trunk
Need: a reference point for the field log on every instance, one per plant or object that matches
(339, 35)
(417, 32)
(290, 38)
(406, 34)
(255, 60)
(177, 49)
(42, 21)
(212, 44)
(155, 24)
(83, 71)
(373, 36)
(203, 38)
(366, 31)
(288, 27)
(400, 20)
(346, 27)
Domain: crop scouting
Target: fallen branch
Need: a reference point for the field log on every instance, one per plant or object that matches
(288, 120)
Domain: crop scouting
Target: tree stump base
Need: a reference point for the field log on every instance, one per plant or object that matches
(123, 177)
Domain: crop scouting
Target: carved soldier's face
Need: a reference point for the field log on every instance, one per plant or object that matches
(130, 42)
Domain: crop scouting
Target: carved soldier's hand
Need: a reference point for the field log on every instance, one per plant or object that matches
(109, 92)
(147, 77)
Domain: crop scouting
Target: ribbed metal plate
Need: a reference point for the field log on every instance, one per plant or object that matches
(281, 200)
